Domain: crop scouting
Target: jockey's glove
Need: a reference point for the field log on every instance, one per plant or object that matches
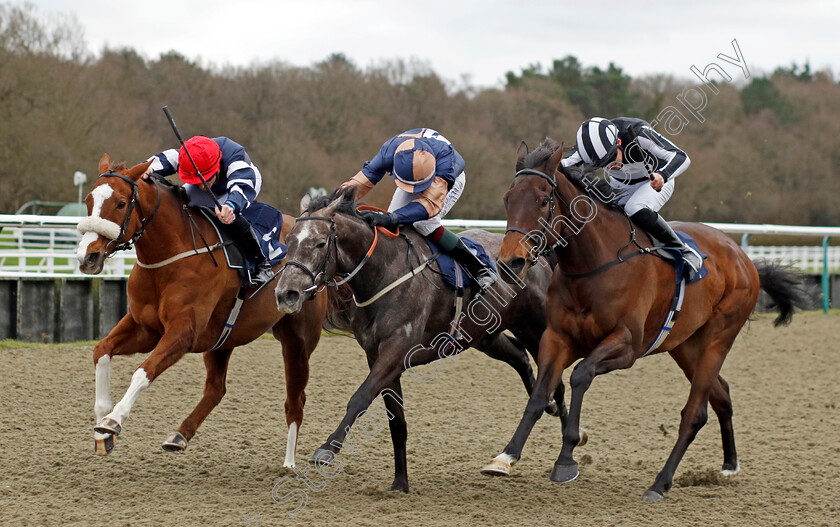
(383, 219)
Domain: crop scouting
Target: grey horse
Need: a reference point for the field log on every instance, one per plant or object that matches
(411, 323)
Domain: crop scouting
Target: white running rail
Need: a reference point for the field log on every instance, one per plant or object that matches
(45, 246)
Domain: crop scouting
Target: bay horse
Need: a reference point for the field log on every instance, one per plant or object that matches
(407, 325)
(606, 307)
(179, 299)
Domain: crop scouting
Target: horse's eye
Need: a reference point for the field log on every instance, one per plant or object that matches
(121, 205)
(544, 202)
(321, 245)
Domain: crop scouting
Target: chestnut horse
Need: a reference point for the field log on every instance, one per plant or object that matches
(606, 306)
(179, 300)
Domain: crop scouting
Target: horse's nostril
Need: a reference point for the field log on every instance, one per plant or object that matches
(91, 259)
(291, 297)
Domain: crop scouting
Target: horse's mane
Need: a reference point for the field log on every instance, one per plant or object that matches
(583, 179)
(347, 205)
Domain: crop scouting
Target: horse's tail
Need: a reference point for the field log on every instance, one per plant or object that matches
(786, 289)
(339, 308)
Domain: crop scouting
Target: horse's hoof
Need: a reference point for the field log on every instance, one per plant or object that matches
(584, 437)
(651, 496)
(564, 473)
(731, 471)
(497, 467)
(552, 408)
(108, 426)
(103, 447)
(401, 486)
(175, 442)
(322, 456)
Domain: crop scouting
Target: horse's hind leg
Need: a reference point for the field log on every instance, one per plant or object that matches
(216, 363)
(127, 338)
(686, 356)
(299, 334)
(501, 348)
(695, 414)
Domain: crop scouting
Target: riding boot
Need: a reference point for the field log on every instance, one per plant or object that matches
(247, 240)
(656, 226)
(484, 275)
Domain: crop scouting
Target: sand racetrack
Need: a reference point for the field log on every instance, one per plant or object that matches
(785, 386)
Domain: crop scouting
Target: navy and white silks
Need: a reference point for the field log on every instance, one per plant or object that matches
(239, 179)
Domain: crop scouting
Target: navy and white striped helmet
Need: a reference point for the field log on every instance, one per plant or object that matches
(597, 141)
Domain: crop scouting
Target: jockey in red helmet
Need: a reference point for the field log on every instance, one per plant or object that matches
(231, 177)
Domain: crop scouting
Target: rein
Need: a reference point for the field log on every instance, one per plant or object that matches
(601, 268)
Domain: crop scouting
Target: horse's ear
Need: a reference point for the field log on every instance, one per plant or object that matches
(554, 160)
(521, 152)
(104, 163)
(138, 170)
(560, 167)
(304, 202)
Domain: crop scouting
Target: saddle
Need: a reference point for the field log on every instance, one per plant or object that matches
(673, 256)
(451, 271)
(267, 223)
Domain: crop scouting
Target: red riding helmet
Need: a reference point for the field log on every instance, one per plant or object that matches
(207, 156)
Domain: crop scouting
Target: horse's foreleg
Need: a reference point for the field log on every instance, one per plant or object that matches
(554, 356)
(399, 434)
(299, 335)
(387, 368)
(171, 347)
(216, 363)
(126, 338)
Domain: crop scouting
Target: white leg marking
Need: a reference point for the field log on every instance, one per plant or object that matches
(505, 458)
(139, 382)
(291, 446)
(732, 472)
(102, 403)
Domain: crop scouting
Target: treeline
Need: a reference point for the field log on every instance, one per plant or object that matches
(764, 152)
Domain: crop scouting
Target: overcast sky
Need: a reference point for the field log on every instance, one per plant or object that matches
(479, 38)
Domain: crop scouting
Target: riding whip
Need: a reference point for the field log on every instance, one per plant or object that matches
(184, 146)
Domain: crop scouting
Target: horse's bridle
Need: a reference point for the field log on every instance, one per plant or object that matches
(332, 242)
(551, 207)
(133, 201)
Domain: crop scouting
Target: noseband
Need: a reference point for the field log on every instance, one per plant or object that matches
(315, 288)
(133, 201)
(551, 206)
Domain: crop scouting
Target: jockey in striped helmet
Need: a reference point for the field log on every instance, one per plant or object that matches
(429, 175)
(641, 166)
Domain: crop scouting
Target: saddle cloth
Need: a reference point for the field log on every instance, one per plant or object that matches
(446, 264)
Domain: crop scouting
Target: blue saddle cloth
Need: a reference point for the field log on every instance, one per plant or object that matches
(446, 264)
(267, 223)
(682, 270)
